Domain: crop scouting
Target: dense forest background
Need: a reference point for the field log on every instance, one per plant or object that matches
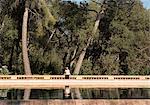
(104, 37)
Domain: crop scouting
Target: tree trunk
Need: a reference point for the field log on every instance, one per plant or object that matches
(26, 61)
(1, 28)
(78, 93)
(27, 94)
(11, 58)
(66, 58)
(82, 55)
(24, 43)
(79, 62)
(73, 57)
(49, 39)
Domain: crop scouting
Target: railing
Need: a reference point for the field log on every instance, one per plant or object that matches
(72, 77)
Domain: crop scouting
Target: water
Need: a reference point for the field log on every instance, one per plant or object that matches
(67, 93)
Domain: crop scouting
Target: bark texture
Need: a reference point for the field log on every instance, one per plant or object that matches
(24, 43)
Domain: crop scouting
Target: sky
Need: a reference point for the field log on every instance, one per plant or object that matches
(146, 3)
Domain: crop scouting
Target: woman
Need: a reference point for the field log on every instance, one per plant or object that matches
(67, 73)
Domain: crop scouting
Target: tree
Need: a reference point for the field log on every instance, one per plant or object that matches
(26, 61)
(119, 40)
(64, 33)
(96, 25)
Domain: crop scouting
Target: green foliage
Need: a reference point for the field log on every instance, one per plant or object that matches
(86, 68)
(59, 30)
(49, 63)
(125, 40)
(9, 31)
(4, 71)
(74, 15)
(8, 35)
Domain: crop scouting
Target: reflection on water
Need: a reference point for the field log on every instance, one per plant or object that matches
(67, 93)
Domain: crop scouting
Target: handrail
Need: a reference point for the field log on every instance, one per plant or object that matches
(73, 77)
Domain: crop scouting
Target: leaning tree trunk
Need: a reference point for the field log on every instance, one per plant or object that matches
(82, 55)
(24, 43)
(25, 49)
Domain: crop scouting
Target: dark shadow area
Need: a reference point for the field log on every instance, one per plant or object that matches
(68, 93)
